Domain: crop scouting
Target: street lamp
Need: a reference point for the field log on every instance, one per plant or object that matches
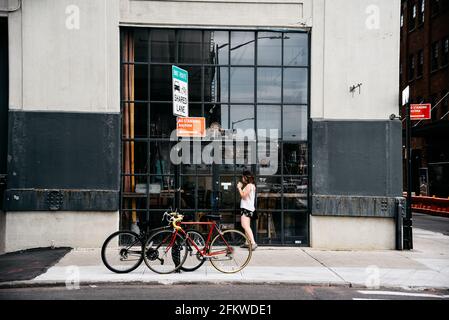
(239, 121)
(248, 42)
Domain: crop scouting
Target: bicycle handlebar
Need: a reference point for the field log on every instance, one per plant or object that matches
(173, 218)
(176, 220)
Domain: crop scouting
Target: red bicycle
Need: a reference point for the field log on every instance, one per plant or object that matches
(228, 250)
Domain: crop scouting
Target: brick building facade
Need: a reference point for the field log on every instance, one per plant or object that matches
(425, 68)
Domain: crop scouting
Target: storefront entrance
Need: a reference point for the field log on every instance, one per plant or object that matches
(239, 80)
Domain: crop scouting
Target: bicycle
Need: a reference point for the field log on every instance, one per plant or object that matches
(226, 247)
(122, 251)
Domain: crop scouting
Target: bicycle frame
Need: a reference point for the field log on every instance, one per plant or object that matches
(205, 252)
(143, 236)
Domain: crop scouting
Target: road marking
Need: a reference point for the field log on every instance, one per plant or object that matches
(404, 294)
(361, 299)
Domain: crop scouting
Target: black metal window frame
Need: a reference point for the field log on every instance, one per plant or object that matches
(412, 15)
(411, 67)
(435, 56)
(420, 67)
(421, 12)
(445, 53)
(179, 175)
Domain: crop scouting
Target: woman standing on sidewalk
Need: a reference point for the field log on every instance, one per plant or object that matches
(247, 204)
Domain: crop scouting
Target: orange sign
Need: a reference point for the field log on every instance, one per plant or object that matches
(191, 127)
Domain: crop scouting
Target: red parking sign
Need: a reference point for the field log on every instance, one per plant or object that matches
(421, 111)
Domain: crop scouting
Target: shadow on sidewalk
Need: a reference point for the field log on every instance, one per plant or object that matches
(28, 264)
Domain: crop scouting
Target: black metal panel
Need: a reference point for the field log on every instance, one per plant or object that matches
(63, 151)
(62, 200)
(357, 158)
(357, 168)
(353, 206)
(56, 150)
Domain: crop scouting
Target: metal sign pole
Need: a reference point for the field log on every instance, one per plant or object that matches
(408, 221)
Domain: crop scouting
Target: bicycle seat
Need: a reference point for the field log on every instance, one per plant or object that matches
(213, 217)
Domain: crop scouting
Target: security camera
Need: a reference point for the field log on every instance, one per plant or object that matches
(394, 117)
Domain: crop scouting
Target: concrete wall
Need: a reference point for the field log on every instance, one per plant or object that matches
(2, 231)
(59, 67)
(62, 64)
(271, 13)
(62, 229)
(352, 233)
(350, 40)
(355, 41)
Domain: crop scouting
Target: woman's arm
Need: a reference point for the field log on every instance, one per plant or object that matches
(245, 192)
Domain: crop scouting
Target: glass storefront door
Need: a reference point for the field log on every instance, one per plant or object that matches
(239, 81)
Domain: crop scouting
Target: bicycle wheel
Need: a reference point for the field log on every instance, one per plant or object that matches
(122, 251)
(194, 259)
(165, 251)
(227, 254)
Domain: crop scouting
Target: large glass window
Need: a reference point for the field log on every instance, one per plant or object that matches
(242, 48)
(237, 80)
(434, 56)
(269, 84)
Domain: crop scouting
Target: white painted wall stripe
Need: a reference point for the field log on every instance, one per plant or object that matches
(404, 294)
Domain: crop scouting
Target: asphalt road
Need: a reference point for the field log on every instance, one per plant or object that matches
(216, 292)
(431, 223)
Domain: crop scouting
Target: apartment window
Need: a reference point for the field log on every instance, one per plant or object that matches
(412, 17)
(435, 7)
(411, 67)
(444, 6)
(420, 63)
(445, 58)
(422, 5)
(435, 56)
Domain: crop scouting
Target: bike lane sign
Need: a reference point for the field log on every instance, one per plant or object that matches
(180, 83)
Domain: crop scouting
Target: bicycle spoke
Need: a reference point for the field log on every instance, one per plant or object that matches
(122, 252)
(229, 256)
(164, 252)
(194, 259)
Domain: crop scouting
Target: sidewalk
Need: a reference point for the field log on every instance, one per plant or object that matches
(425, 267)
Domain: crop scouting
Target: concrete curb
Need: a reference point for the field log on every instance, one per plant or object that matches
(43, 284)
(49, 284)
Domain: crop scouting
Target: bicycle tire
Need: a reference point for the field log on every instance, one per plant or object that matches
(155, 257)
(192, 253)
(235, 239)
(109, 264)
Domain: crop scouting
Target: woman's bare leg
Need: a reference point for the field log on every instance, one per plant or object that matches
(246, 225)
